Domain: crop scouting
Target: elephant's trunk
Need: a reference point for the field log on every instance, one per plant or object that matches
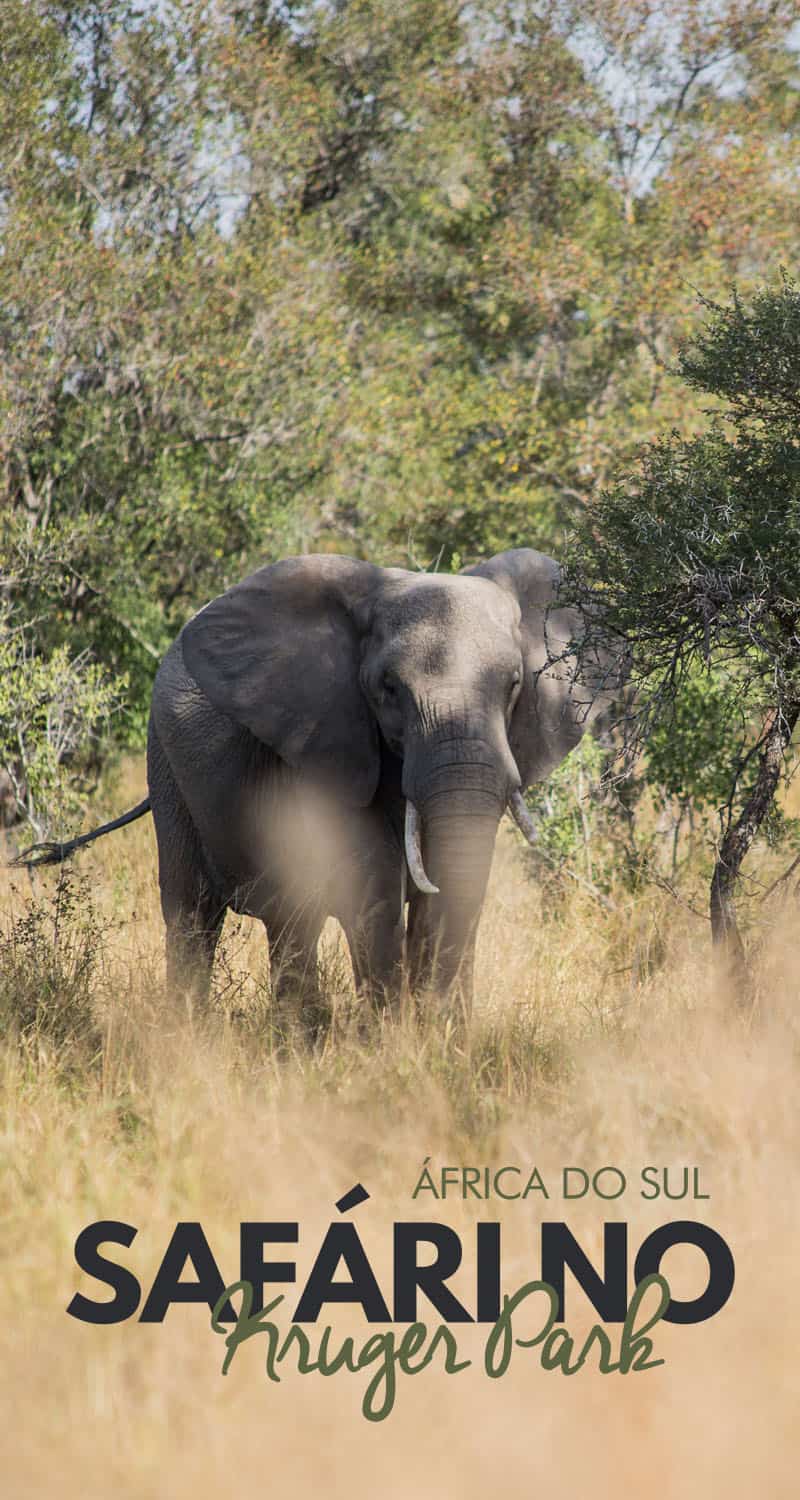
(516, 807)
(458, 847)
(456, 793)
(457, 779)
(458, 843)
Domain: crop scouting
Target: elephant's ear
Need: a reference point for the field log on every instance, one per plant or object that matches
(280, 654)
(557, 700)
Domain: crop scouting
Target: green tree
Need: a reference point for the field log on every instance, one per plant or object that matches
(54, 711)
(511, 200)
(398, 281)
(695, 557)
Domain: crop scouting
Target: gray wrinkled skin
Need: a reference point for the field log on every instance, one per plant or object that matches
(296, 713)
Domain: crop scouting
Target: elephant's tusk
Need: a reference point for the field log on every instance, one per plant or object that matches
(414, 853)
(522, 818)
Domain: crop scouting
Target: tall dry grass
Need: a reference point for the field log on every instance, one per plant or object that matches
(598, 1039)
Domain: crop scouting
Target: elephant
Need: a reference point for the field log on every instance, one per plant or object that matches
(333, 738)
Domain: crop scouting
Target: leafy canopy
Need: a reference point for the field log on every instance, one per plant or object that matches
(398, 281)
(695, 553)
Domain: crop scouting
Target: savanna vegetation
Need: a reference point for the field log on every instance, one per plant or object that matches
(414, 283)
(599, 1039)
(411, 286)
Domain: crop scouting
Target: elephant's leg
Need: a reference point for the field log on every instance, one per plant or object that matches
(418, 962)
(192, 906)
(375, 938)
(293, 936)
(422, 944)
(368, 903)
(191, 942)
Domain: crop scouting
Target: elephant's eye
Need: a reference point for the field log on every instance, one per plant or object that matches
(388, 686)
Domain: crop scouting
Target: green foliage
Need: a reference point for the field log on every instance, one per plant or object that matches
(566, 808)
(578, 823)
(49, 959)
(53, 711)
(749, 352)
(385, 280)
(694, 560)
(688, 752)
(697, 551)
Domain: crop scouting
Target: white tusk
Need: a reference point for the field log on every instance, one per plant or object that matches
(522, 818)
(414, 853)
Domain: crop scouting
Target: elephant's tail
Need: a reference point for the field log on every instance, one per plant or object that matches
(50, 853)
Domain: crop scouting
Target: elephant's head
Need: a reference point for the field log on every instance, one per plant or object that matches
(467, 680)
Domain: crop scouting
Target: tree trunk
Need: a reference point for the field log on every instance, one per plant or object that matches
(738, 839)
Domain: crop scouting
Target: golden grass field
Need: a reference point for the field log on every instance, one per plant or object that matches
(598, 1039)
